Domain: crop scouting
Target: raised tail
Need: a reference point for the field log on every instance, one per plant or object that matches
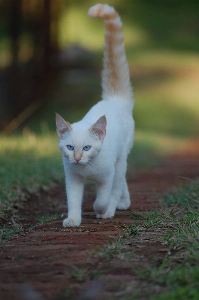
(115, 74)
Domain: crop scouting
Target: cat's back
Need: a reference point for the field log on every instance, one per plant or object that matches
(120, 123)
(115, 112)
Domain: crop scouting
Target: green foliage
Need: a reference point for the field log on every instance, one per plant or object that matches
(161, 24)
(170, 24)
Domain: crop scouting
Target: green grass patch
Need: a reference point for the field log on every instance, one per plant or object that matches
(186, 196)
(182, 282)
(7, 232)
(28, 164)
(46, 219)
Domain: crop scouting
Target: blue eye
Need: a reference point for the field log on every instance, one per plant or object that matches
(86, 148)
(71, 148)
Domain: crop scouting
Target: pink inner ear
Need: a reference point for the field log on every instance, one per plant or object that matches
(99, 128)
(63, 127)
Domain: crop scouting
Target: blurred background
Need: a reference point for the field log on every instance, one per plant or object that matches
(51, 57)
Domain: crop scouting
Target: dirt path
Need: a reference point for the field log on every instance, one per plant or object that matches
(59, 261)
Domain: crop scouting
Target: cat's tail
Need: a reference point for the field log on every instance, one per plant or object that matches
(115, 74)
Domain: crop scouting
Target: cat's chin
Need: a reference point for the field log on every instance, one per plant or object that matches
(80, 163)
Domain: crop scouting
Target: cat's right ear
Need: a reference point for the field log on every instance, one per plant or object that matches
(63, 127)
(99, 128)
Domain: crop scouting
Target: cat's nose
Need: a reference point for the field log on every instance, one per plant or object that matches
(77, 159)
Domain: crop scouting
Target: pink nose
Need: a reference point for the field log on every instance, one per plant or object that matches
(77, 157)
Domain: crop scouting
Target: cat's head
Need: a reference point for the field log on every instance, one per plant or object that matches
(80, 142)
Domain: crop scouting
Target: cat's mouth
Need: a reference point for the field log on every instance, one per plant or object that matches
(80, 162)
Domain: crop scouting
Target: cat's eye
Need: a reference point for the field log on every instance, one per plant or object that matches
(71, 148)
(86, 148)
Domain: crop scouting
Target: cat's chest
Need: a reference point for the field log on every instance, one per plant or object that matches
(91, 171)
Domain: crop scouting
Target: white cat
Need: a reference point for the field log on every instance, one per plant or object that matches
(97, 147)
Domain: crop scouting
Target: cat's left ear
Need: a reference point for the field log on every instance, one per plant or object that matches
(63, 127)
(99, 128)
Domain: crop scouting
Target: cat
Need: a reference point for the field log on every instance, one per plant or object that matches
(96, 148)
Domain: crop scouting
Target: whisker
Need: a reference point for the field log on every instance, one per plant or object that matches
(92, 165)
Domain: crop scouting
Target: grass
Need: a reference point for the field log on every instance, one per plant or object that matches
(186, 197)
(85, 273)
(8, 232)
(45, 219)
(113, 248)
(183, 282)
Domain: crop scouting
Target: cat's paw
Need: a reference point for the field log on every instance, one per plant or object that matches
(106, 215)
(123, 206)
(71, 222)
(99, 208)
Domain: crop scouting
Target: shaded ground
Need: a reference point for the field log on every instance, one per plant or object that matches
(59, 261)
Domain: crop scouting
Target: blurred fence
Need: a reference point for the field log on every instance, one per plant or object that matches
(28, 38)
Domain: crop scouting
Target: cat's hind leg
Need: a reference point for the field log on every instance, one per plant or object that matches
(125, 200)
(117, 190)
(104, 189)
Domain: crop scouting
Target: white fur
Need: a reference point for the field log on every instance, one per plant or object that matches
(106, 161)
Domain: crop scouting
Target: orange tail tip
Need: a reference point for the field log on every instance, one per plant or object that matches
(103, 11)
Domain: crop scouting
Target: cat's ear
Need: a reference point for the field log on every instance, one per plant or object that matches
(63, 127)
(99, 128)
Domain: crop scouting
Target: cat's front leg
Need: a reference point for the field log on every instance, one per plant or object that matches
(74, 191)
